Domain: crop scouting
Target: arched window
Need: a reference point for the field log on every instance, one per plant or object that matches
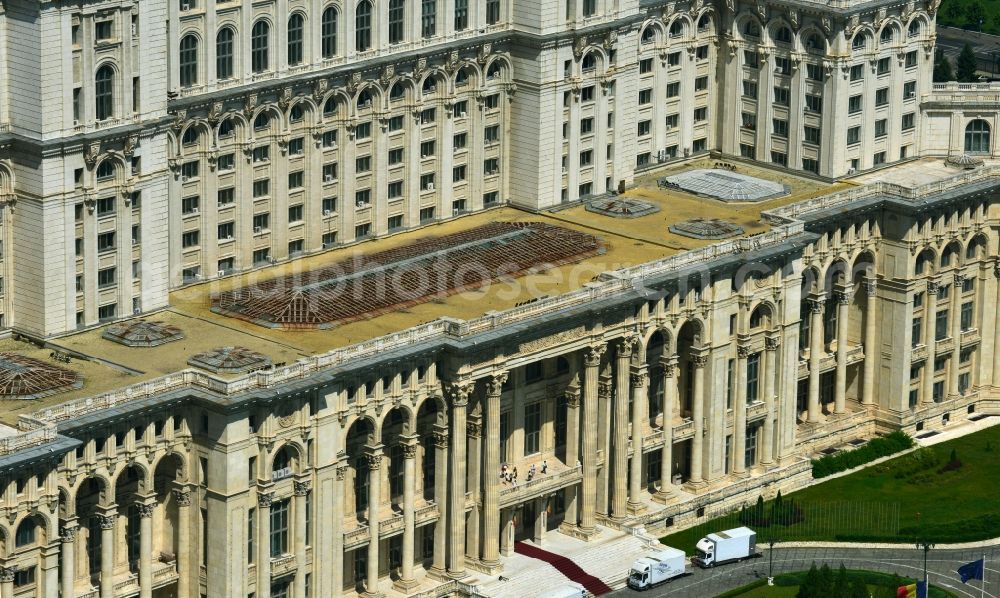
(328, 32)
(363, 26)
(104, 93)
(704, 22)
(815, 43)
(783, 35)
(188, 60)
(25, 535)
(589, 63)
(430, 85)
(977, 137)
(398, 92)
(676, 29)
(364, 100)
(397, 10)
(494, 71)
(859, 42)
(648, 35)
(106, 170)
(226, 128)
(914, 29)
(190, 136)
(296, 113)
(886, 36)
(330, 107)
(224, 53)
(461, 78)
(751, 29)
(259, 41)
(295, 29)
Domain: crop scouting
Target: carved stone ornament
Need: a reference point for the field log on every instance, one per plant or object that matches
(843, 297)
(409, 450)
(908, 10)
(592, 358)
(699, 360)
(320, 87)
(816, 304)
(7, 574)
(579, 45)
(250, 104)
(853, 22)
(549, 341)
(933, 6)
(388, 74)
(826, 24)
(670, 9)
(441, 440)
(494, 385)
(91, 153)
(459, 392)
(762, 10)
(610, 39)
(265, 499)
(572, 398)
(742, 350)
(933, 287)
(179, 119)
(341, 472)
(106, 521)
(452, 64)
(300, 488)
(67, 534)
(637, 379)
(871, 287)
(285, 98)
(183, 498)
(420, 67)
(484, 52)
(771, 343)
(473, 429)
(131, 142)
(793, 18)
(145, 510)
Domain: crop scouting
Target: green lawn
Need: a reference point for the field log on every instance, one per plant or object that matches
(879, 585)
(967, 13)
(895, 501)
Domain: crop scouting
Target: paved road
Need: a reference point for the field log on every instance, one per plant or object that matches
(986, 47)
(941, 565)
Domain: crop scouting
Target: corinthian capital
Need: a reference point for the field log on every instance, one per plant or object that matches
(592, 357)
(458, 393)
(494, 385)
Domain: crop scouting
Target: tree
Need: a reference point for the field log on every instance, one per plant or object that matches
(810, 587)
(975, 16)
(841, 584)
(966, 64)
(942, 68)
(858, 589)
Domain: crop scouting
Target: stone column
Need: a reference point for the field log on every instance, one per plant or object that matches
(406, 582)
(491, 490)
(373, 455)
(184, 550)
(620, 443)
(7, 582)
(146, 508)
(107, 523)
(956, 335)
(474, 434)
(840, 386)
(506, 532)
(930, 341)
(301, 490)
(740, 410)
(68, 536)
(49, 566)
(996, 327)
(700, 360)
(640, 404)
(458, 394)
(871, 354)
(771, 343)
(816, 352)
(263, 537)
(336, 526)
(438, 568)
(541, 519)
(669, 403)
(572, 395)
(588, 487)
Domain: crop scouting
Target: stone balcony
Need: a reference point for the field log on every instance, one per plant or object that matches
(541, 485)
(163, 574)
(389, 526)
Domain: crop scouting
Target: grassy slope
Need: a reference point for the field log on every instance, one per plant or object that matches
(959, 18)
(954, 506)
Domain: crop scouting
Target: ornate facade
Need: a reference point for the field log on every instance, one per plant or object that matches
(245, 134)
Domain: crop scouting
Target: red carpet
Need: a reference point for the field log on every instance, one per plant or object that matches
(565, 566)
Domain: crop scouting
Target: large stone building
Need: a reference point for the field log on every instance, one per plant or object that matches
(258, 440)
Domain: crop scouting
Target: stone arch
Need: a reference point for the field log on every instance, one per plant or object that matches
(838, 273)
(977, 247)
(96, 484)
(35, 524)
(434, 83)
(290, 456)
(434, 403)
(118, 175)
(304, 103)
(409, 415)
(6, 178)
(163, 460)
(707, 15)
(951, 255)
(474, 77)
(978, 136)
(748, 27)
(239, 126)
(274, 114)
(145, 474)
(686, 25)
(811, 279)
(505, 69)
(895, 26)
(812, 40)
(920, 20)
(406, 86)
(863, 35)
(593, 61)
(773, 30)
(925, 261)
(202, 129)
(763, 315)
(648, 337)
(651, 33)
(339, 101)
(5, 540)
(367, 91)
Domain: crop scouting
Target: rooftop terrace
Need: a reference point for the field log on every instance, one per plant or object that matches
(113, 372)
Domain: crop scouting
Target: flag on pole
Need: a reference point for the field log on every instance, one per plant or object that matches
(973, 570)
(914, 590)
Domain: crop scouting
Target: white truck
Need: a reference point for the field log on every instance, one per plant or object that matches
(650, 571)
(726, 547)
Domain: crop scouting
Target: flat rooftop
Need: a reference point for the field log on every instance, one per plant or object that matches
(106, 365)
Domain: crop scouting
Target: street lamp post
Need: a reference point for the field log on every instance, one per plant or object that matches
(923, 543)
(770, 566)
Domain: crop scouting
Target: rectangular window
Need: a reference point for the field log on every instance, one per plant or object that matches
(226, 196)
(753, 378)
(701, 84)
(674, 59)
(749, 120)
(853, 135)
(941, 325)
(645, 97)
(916, 331)
(279, 528)
(857, 72)
(532, 428)
(814, 103)
(779, 158)
(426, 214)
(586, 158)
(854, 104)
(427, 149)
(810, 165)
(106, 277)
(395, 222)
(189, 205)
(261, 188)
(644, 128)
(261, 222)
(262, 256)
(781, 96)
(700, 114)
(363, 130)
(882, 97)
(225, 230)
(909, 90)
(362, 198)
(967, 315)
(492, 134)
(330, 138)
(296, 147)
(907, 121)
(779, 127)
(782, 65)
(879, 159)
(395, 190)
(105, 206)
(673, 89)
(427, 182)
(106, 241)
(645, 66)
(812, 134)
(881, 128)
(491, 166)
(226, 162)
(107, 312)
(751, 59)
(190, 239)
(261, 154)
(814, 72)
(911, 59)
(883, 66)
(295, 213)
(329, 205)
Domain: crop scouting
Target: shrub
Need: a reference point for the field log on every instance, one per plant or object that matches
(875, 449)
